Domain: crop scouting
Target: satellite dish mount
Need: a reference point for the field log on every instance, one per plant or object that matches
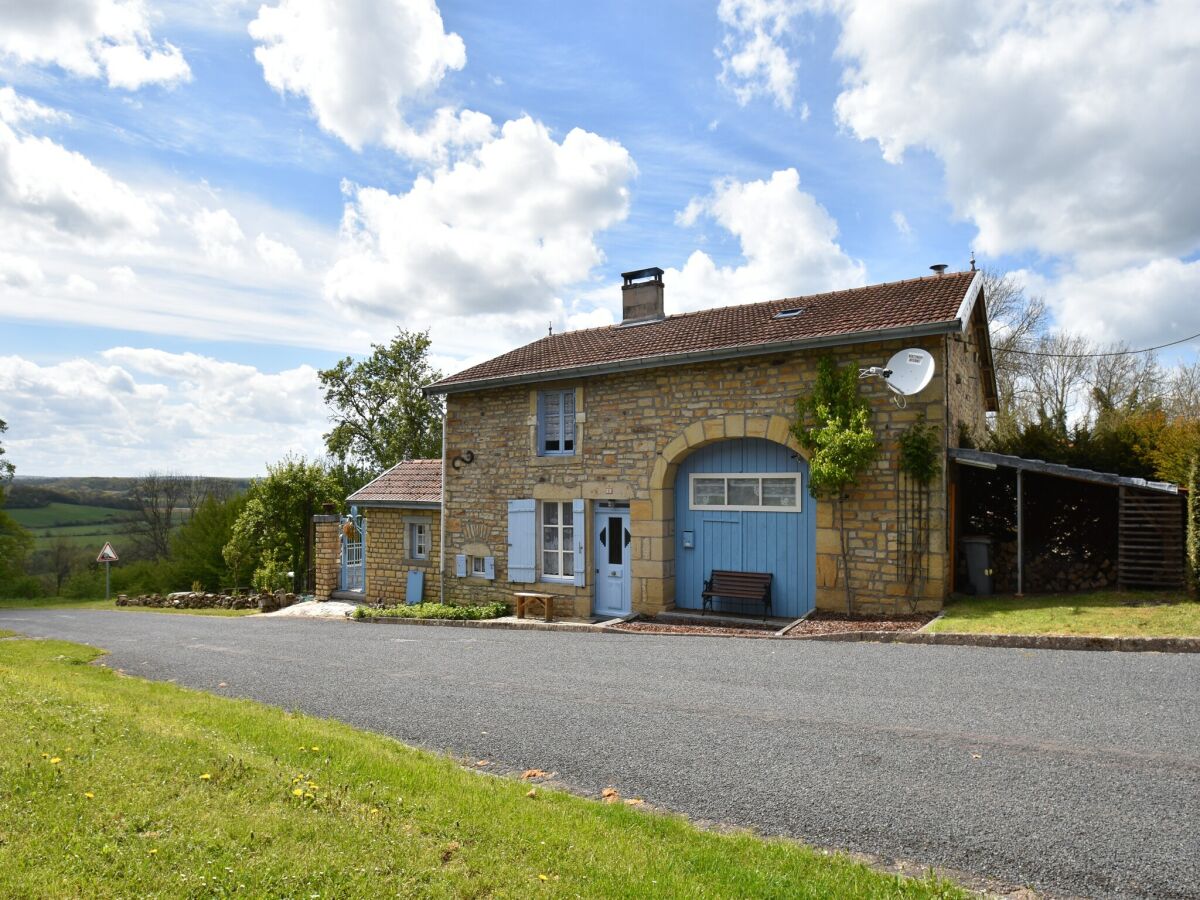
(906, 373)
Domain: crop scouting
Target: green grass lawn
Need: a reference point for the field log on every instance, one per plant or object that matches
(65, 603)
(113, 786)
(1107, 613)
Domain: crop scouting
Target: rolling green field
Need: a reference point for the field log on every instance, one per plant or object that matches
(83, 526)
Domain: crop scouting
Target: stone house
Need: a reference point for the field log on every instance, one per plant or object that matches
(616, 467)
(392, 532)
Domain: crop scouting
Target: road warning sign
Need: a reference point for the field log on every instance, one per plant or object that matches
(108, 554)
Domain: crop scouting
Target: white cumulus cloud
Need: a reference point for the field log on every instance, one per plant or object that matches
(1064, 128)
(277, 254)
(502, 229)
(91, 38)
(788, 241)
(362, 64)
(131, 408)
(218, 234)
(754, 60)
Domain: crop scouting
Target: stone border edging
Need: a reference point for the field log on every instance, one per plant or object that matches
(1016, 641)
(488, 623)
(937, 638)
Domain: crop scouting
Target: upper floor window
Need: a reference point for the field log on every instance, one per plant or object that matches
(556, 423)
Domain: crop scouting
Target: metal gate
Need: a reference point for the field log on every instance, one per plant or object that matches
(354, 551)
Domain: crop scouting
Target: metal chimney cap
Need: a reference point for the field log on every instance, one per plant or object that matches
(940, 268)
(653, 272)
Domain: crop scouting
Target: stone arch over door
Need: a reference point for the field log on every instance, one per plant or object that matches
(654, 519)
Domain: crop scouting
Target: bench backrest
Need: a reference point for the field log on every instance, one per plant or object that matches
(755, 583)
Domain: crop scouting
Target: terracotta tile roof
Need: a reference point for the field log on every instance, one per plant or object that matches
(411, 481)
(932, 300)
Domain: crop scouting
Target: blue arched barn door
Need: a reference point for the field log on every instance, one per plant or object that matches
(743, 504)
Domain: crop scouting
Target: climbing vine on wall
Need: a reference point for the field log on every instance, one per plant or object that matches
(919, 460)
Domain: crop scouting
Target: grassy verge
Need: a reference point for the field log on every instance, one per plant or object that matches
(114, 786)
(1106, 613)
(64, 603)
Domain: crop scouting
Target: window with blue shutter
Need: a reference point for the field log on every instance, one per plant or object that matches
(522, 540)
(489, 568)
(460, 565)
(556, 423)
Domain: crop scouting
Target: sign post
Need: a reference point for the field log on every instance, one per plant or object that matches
(107, 556)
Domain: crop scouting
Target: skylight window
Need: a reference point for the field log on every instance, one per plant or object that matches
(788, 313)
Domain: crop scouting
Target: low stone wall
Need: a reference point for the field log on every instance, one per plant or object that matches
(198, 600)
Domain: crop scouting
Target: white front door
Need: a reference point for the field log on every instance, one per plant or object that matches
(613, 585)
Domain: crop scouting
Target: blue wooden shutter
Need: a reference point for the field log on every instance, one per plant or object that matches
(577, 522)
(568, 421)
(460, 565)
(541, 423)
(522, 540)
(489, 568)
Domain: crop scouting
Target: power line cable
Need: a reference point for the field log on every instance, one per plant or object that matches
(1108, 353)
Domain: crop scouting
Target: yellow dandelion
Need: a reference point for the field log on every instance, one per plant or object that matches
(297, 792)
(374, 812)
(152, 850)
(89, 795)
(54, 760)
(543, 877)
(206, 777)
(309, 797)
(45, 756)
(312, 785)
(315, 749)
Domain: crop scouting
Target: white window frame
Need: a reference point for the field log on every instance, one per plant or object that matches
(477, 567)
(418, 549)
(796, 476)
(561, 395)
(565, 547)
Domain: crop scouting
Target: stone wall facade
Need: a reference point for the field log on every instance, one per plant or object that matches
(327, 555)
(966, 384)
(389, 556)
(634, 430)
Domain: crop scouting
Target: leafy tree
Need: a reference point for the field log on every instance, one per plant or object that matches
(272, 529)
(15, 541)
(833, 424)
(157, 495)
(197, 547)
(6, 467)
(1193, 522)
(380, 415)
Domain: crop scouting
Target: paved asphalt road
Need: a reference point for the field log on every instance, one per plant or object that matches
(1076, 773)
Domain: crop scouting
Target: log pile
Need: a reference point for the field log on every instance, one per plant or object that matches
(1052, 573)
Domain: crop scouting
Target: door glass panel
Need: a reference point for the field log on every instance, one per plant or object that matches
(779, 492)
(708, 492)
(743, 492)
(614, 541)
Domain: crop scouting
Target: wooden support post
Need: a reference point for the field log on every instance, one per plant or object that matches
(1020, 538)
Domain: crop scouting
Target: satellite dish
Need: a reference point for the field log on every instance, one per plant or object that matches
(906, 373)
(909, 372)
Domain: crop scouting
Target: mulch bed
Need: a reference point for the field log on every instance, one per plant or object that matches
(817, 623)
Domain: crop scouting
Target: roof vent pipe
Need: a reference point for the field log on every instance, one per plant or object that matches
(940, 268)
(642, 296)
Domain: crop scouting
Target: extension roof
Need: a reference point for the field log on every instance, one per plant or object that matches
(935, 304)
(414, 482)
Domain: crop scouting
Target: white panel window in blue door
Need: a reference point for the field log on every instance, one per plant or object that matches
(739, 492)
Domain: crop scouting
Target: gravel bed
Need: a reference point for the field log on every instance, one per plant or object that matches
(648, 626)
(817, 623)
(835, 623)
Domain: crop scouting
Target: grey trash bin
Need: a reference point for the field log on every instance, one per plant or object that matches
(978, 550)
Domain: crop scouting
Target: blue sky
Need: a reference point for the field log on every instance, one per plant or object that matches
(201, 203)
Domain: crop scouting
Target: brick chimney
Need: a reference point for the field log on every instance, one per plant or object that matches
(642, 296)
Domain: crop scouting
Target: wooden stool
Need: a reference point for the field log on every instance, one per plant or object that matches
(524, 598)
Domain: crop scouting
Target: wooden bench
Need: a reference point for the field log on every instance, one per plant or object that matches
(524, 598)
(746, 587)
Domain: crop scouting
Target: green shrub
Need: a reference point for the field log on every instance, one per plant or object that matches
(26, 587)
(432, 611)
